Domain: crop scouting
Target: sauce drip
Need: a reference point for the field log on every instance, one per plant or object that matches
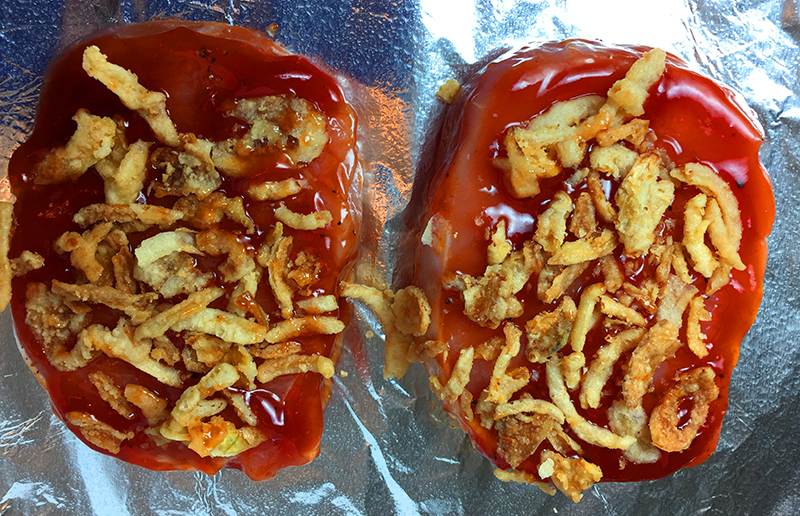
(203, 68)
(694, 118)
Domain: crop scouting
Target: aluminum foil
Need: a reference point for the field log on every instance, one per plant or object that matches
(388, 448)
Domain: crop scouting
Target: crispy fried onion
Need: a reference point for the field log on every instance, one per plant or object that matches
(164, 244)
(719, 279)
(242, 408)
(151, 105)
(108, 166)
(136, 306)
(633, 421)
(483, 408)
(615, 160)
(304, 273)
(555, 280)
(82, 249)
(489, 349)
(465, 404)
(459, 376)
(658, 344)
(523, 477)
(490, 299)
(153, 406)
(585, 249)
(664, 253)
(226, 326)
(722, 237)
(674, 298)
(306, 222)
(629, 94)
(572, 368)
(530, 147)
(173, 275)
(602, 205)
(269, 351)
(123, 265)
(123, 180)
(92, 141)
(295, 364)
(160, 323)
(548, 332)
(306, 325)
(642, 199)
(603, 364)
(53, 323)
(645, 294)
(710, 183)
(285, 122)
(520, 435)
(695, 338)
(503, 383)
(318, 304)
(626, 97)
(115, 246)
(695, 226)
(119, 343)
(274, 255)
(186, 171)
(210, 351)
(164, 350)
(141, 216)
(613, 278)
(216, 437)
(570, 476)
(242, 300)
(635, 131)
(448, 91)
(100, 434)
(276, 190)
(577, 177)
(664, 420)
(616, 310)
(584, 220)
(111, 394)
(583, 428)
(26, 262)
(679, 264)
(434, 348)
(412, 312)
(585, 317)
(398, 344)
(220, 438)
(212, 210)
(499, 245)
(527, 404)
(216, 242)
(551, 228)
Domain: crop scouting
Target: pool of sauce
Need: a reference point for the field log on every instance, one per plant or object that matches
(694, 118)
(202, 67)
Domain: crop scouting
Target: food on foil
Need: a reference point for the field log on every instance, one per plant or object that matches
(583, 262)
(185, 212)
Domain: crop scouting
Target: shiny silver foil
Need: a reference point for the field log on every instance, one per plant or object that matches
(388, 447)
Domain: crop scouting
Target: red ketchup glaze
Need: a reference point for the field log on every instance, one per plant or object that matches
(694, 118)
(202, 67)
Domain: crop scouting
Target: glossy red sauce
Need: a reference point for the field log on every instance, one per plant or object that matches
(202, 67)
(695, 119)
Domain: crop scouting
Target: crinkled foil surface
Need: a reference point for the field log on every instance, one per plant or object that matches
(388, 447)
